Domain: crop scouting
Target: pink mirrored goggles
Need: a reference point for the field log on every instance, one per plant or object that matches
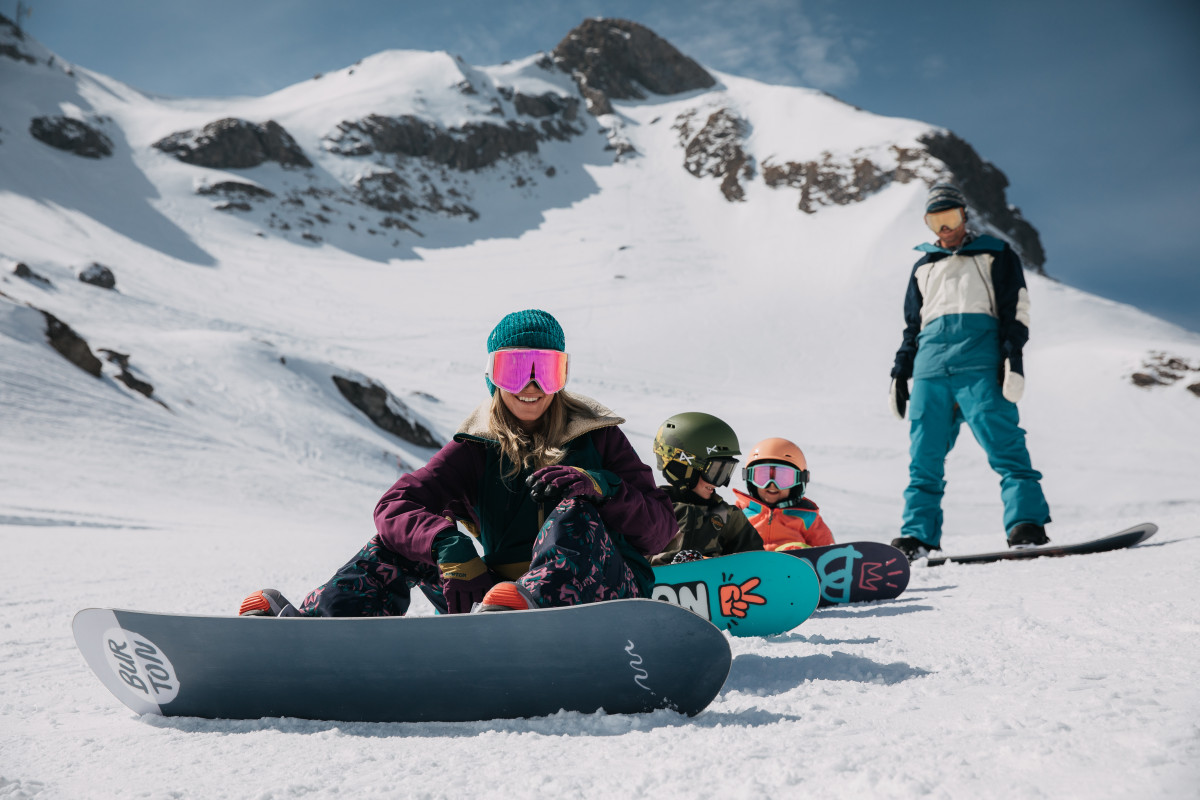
(784, 476)
(513, 370)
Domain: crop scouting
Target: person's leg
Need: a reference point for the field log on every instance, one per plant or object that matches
(995, 423)
(933, 429)
(576, 561)
(375, 583)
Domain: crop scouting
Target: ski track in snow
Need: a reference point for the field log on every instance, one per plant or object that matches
(1052, 678)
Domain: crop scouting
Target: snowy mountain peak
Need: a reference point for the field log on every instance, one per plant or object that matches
(306, 278)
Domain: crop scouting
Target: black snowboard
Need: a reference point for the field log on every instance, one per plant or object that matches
(856, 572)
(1117, 541)
(622, 656)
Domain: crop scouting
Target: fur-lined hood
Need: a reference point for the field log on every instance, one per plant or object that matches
(595, 416)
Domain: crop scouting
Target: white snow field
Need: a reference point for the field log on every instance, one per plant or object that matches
(1052, 678)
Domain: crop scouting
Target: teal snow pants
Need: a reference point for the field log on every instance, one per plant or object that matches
(937, 408)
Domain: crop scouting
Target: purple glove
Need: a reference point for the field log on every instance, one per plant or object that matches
(559, 482)
(462, 594)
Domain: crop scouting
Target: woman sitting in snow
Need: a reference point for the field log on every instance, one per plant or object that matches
(531, 449)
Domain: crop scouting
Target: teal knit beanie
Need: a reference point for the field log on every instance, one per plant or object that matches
(530, 328)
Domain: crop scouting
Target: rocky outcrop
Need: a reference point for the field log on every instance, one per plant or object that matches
(716, 150)
(22, 270)
(10, 37)
(388, 191)
(471, 147)
(1162, 369)
(234, 189)
(546, 105)
(125, 376)
(984, 187)
(70, 345)
(71, 135)
(615, 59)
(235, 144)
(386, 411)
(98, 275)
(841, 180)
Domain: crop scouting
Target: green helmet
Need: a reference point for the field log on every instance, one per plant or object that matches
(694, 445)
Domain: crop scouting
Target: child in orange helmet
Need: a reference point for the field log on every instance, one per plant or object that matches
(776, 474)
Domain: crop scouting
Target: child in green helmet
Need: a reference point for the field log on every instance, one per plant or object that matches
(696, 454)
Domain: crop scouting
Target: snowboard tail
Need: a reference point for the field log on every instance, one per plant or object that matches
(857, 572)
(748, 594)
(619, 656)
(1117, 541)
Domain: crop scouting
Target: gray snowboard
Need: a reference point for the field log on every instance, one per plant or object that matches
(622, 656)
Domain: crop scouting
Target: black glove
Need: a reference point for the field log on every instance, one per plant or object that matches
(898, 397)
(559, 482)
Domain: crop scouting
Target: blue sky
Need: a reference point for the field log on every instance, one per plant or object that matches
(1092, 109)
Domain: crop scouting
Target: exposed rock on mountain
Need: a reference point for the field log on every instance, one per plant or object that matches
(71, 135)
(235, 144)
(716, 150)
(386, 411)
(388, 191)
(1163, 369)
(983, 185)
(621, 60)
(471, 147)
(10, 40)
(125, 376)
(849, 179)
(70, 345)
(22, 270)
(98, 275)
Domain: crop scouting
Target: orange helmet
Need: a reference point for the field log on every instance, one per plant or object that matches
(777, 451)
(780, 450)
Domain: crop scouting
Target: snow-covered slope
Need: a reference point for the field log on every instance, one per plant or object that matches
(252, 469)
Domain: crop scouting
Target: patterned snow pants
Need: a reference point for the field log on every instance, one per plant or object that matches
(574, 560)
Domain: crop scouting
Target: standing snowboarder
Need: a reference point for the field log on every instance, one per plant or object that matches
(966, 319)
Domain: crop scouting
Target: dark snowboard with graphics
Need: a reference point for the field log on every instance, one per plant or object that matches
(856, 572)
(622, 656)
(1117, 541)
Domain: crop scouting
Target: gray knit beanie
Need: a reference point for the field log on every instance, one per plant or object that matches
(943, 196)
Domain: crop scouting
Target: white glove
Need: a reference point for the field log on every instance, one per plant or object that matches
(1013, 385)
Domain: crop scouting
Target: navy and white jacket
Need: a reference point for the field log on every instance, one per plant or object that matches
(965, 310)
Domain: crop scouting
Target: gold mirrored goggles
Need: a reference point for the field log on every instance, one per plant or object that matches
(950, 218)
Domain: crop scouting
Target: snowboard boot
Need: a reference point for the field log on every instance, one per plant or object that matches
(506, 596)
(267, 603)
(684, 556)
(912, 547)
(1026, 534)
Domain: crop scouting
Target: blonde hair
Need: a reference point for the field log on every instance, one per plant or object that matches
(521, 449)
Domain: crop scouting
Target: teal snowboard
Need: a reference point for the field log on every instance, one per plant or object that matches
(748, 594)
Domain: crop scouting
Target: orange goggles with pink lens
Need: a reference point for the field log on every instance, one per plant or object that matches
(950, 218)
(513, 370)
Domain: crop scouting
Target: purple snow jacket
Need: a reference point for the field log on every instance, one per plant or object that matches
(463, 482)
